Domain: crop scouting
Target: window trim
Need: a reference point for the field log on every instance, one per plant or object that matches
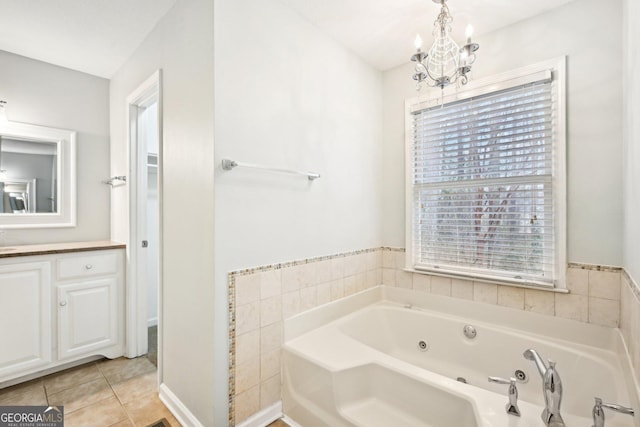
(557, 68)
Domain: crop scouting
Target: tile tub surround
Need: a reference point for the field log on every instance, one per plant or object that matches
(594, 291)
(261, 298)
(630, 320)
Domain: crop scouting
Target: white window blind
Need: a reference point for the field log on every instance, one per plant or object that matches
(482, 182)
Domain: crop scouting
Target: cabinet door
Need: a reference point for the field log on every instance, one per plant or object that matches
(87, 317)
(25, 317)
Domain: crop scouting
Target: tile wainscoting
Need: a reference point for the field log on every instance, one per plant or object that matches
(630, 319)
(594, 291)
(261, 298)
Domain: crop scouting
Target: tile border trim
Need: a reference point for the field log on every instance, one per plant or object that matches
(594, 267)
(279, 266)
(232, 349)
(635, 288)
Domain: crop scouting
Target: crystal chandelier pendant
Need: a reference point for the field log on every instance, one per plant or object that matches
(446, 62)
(444, 57)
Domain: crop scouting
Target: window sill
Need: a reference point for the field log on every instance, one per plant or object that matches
(490, 281)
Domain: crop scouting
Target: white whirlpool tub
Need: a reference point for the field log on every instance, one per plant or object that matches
(359, 362)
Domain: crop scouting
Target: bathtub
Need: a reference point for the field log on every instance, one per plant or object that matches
(394, 357)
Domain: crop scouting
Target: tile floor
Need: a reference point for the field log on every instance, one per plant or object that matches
(107, 393)
(278, 423)
(152, 352)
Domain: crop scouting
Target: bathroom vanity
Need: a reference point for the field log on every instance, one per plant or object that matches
(60, 303)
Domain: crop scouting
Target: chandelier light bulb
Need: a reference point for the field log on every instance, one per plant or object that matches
(463, 57)
(418, 42)
(468, 32)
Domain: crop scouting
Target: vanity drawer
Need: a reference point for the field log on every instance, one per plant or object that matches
(103, 263)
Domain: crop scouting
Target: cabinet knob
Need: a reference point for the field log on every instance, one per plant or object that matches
(63, 303)
(88, 266)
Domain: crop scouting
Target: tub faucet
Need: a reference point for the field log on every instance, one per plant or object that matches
(512, 406)
(551, 389)
(598, 411)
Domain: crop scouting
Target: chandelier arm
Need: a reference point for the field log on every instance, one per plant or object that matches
(436, 81)
(429, 80)
(429, 75)
(430, 83)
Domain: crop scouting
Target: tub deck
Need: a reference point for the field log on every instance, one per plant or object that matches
(357, 363)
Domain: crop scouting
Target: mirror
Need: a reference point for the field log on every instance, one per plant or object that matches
(28, 176)
(37, 176)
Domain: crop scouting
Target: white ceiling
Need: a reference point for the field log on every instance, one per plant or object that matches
(93, 36)
(382, 31)
(97, 36)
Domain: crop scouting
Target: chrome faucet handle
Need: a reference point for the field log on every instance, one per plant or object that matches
(598, 412)
(512, 406)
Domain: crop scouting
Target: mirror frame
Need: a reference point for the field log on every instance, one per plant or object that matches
(65, 141)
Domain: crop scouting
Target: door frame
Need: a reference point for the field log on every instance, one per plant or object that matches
(136, 307)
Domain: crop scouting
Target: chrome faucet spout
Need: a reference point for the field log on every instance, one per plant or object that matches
(531, 354)
(551, 389)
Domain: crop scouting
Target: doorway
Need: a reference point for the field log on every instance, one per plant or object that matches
(144, 320)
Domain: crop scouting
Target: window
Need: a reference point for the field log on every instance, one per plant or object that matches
(486, 180)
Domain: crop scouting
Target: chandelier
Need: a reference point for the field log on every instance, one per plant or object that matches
(446, 62)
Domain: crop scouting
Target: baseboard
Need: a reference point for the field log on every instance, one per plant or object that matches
(38, 374)
(152, 322)
(290, 422)
(264, 417)
(177, 408)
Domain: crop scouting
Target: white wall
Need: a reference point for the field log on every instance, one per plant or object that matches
(585, 31)
(631, 150)
(299, 101)
(48, 95)
(182, 46)
(288, 96)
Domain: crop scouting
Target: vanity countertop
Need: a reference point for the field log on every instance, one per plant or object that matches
(58, 248)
